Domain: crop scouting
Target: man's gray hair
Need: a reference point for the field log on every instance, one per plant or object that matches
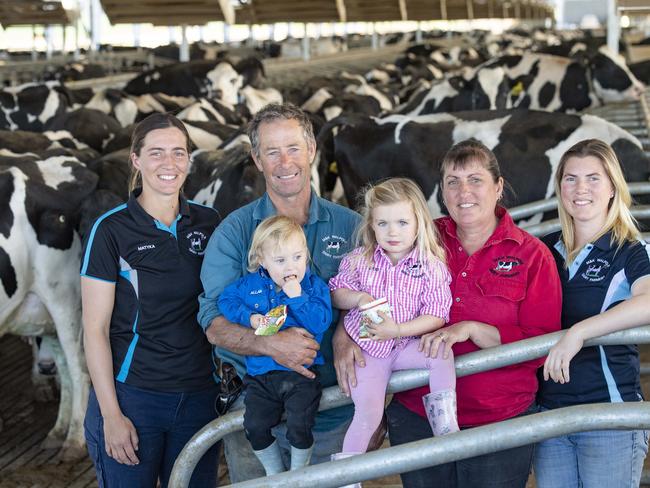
(276, 111)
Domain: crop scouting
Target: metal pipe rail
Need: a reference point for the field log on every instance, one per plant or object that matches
(468, 443)
(543, 228)
(466, 364)
(523, 211)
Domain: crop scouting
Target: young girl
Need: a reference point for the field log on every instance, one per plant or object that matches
(279, 276)
(399, 259)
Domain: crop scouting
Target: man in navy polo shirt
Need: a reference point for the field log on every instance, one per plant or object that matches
(283, 147)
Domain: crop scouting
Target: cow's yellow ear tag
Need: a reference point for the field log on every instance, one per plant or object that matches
(333, 168)
(517, 89)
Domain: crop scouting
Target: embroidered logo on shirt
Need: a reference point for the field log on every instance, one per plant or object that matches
(144, 247)
(506, 266)
(197, 240)
(335, 246)
(256, 292)
(414, 270)
(596, 270)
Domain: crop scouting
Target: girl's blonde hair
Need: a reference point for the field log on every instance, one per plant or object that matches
(619, 218)
(277, 229)
(396, 190)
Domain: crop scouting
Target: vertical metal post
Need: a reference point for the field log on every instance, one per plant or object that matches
(48, 42)
(34, 51)
(184, 51)
(306, 55)
(136, 34)
(96, 24)
(65, 38)
(375, 38)
(226, 33)
(76, 39)
(418, 34)
(613, 26)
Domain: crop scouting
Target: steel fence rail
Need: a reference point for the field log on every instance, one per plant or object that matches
(523, 211)
(475, 362)
(461, 445)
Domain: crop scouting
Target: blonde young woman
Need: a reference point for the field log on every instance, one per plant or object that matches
(148, 359)
(604, 267)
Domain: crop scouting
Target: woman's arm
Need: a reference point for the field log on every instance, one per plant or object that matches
(97, 299)
(630, 313)
(482, 334)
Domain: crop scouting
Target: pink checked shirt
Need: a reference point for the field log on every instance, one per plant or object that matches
(412, 287)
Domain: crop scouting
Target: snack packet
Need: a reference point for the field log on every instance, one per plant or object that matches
(369, 315)
(272, 322)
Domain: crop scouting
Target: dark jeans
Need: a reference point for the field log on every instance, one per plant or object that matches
(271, 394)
(164, 422)
(503, 469)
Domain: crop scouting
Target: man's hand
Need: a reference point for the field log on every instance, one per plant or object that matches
(346, 354)
(293, 348)
(292, 287)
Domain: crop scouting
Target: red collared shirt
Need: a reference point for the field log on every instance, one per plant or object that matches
(413, 287)
(512, 284)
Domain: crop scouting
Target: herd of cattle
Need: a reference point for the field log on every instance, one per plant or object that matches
(64, 153)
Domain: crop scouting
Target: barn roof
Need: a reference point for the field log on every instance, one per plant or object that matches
(199, 12)
(642, 6)
(29, 12)
(168, 12)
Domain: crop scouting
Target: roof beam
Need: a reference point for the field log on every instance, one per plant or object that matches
(228, 11)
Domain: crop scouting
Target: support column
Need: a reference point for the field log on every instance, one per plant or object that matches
(306, 54)
(418, 34)
(184, 52)
(375, 37)
(136, 34)
(613, 26)
(95, 25)
(76, 54)
(48, 42)
(34, 51)
(226, 33)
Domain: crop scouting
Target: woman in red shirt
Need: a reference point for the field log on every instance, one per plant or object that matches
(505, 288)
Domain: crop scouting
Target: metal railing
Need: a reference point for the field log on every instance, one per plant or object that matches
(477, 441)
(475, 362)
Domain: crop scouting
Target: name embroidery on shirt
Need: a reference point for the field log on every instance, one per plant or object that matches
(506, 266)
(596, 270)
(197, 240)
(335, 246)
(256, 292)
(144, 247)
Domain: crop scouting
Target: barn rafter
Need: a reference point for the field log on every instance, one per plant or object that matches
(199, 12)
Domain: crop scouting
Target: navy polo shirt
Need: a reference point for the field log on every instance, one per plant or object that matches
(600, 278)
(156, 342)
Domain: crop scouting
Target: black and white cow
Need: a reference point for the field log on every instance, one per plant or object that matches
(533, 81)
(193, 79)
(90, 126)
(39, 276)
(224, 179)
(31, 106)
(528, 146)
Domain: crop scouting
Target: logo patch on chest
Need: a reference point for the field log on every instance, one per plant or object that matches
(197, 241)
(506, 266)
(145, 247)
(414, 270)
(595, 270)
(334, 246)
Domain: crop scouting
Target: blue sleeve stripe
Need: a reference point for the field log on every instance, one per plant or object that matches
(128, 359)
(97, 279)
(84, 268)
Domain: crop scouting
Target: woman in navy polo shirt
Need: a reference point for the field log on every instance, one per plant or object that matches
(605, 269)
(148, 358)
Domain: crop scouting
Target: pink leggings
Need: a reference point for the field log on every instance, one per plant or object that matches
(370, 393)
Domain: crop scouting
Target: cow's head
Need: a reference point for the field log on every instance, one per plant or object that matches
(225, 82)
(612, 80)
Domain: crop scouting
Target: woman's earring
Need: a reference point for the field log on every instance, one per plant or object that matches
(611, 195)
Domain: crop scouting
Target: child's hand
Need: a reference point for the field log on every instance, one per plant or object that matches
(255, 320)
(292, 287)
(364, 298)
(387, 329)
